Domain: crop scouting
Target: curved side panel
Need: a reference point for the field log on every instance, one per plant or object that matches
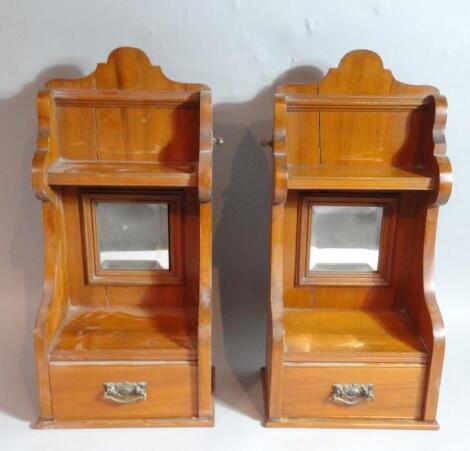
(437, 339)
(275, 328)
(443, 175)
(51, 310)
(54, 287)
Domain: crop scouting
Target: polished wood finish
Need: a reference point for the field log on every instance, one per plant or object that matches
(127, 333)
(380, 335)
(317, 177)
(398, 391)
(356, 134)
(341, 422)
(138, 174)
(172, 391)
(126, 423)
(124, 132)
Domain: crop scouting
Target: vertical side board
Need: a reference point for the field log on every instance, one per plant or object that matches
(205, 257)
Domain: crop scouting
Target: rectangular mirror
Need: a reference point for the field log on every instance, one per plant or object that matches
(344, 238)
(133, 235)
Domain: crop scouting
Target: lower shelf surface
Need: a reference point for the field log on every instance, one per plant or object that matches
(127, 334)
(325, 334)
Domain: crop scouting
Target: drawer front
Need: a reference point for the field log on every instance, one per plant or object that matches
(397, 391)
(78, 390)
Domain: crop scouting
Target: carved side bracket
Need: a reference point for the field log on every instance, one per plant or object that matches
(279, 150)
(443, 167)
(41, 156)
(205, 148)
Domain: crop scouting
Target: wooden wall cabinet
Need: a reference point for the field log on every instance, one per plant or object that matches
(124, 170)
(355, 337)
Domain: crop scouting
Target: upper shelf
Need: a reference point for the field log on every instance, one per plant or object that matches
(124, 98)
(311, 177)
(124, 125)
(125, 173)
(360, 129)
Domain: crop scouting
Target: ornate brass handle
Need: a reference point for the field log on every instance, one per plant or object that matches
(352, 394)
(125, 392)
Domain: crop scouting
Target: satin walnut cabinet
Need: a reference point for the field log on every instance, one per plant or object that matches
(355, 337)
(124, 172)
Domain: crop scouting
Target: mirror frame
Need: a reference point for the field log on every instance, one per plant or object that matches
(387, 235)
(98, 276)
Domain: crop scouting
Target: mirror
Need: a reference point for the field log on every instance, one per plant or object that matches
(133, 235)
(345, 238)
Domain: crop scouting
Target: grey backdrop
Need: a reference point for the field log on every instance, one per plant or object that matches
(243, 50)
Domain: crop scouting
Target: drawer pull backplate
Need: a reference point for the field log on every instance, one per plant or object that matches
(125, 392)
(352, 394)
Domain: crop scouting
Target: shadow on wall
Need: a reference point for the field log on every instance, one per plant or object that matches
(242, 212)
(18, 129)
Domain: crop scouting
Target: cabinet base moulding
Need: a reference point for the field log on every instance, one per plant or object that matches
(137, 422)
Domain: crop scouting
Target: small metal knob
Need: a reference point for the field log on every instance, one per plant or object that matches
(267, 142)
(217, 141)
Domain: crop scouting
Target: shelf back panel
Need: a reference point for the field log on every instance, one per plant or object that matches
(126, 109)
(359, 115)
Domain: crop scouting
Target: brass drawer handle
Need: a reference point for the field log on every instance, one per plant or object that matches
(125, 392)
(352, 394)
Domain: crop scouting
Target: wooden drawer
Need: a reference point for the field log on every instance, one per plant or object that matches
(77, 391)
(398, 390)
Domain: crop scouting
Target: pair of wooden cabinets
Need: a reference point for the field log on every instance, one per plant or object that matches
(124, 170)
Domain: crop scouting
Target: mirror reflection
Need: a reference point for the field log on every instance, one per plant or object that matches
(133, 235)
(345, 238)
